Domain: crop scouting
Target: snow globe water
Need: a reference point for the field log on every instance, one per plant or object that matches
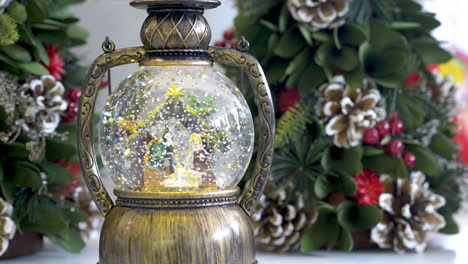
(176, 129)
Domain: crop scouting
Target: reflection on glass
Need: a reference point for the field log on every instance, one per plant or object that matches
(181, 128)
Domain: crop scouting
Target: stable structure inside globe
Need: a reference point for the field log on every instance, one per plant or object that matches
(176, 128)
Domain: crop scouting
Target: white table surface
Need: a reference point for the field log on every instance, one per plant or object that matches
(442, 250)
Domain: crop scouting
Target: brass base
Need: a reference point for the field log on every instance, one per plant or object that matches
(148, 228)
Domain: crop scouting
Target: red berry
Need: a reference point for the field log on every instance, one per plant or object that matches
(383, 128)
(70, 113)
(74, 95)
(229, 34)
(234, 43)
(74, 168)
(395, 147)
(397, 127)
(220, 43)
(409, 159)
(371, 136)
(105, 81)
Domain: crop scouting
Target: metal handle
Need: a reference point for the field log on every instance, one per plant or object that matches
(264, 102)
(85, 121)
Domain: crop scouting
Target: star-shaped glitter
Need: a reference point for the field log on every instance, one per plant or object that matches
(174, 91)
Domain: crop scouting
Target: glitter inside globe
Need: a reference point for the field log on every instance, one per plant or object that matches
(176, 129)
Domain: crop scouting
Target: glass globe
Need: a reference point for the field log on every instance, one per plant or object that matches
(176, 128)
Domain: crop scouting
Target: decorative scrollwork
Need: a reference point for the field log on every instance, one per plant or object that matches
(267, 119)
(85, 121)
(176, 203)
(176, 29)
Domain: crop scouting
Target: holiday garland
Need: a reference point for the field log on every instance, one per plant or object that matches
(365, 123)
(39, 174)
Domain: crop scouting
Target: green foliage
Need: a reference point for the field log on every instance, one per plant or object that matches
(426, 162)
(56, 174)
(325, 232)
(299, 163)
(25, 28)
(386, 56)
(354, 217)
(411, 112)
(8, 30)
(386, 163)
(334, 225)
(290, 44)
(430, 52)
(384, 41)
(293, 123)
(52, 218)
(25, 174)
(70, 241)
(17, 53)
(327, 183)
(30, 25)
(331, 56)
(343, 161)
(443, 146)
(17, 11)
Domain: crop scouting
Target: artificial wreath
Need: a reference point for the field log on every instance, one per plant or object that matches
(39, 174)
(366, 114)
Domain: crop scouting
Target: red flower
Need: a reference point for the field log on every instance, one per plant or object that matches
(369, 188)
(56, 63)
(287, 99)
(413, 78)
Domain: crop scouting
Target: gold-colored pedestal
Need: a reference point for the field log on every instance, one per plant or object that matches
(170, 228)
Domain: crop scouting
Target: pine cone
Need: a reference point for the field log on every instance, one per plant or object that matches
(8, 86)
(40, 103)
(444, 91)
(346, 112)
(7, 225)
(90, 229)
(319, 14)
(278, 225)
(409, 213)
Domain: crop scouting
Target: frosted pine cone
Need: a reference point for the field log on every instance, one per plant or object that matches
(409, 213)
(345, 112)
(278, 225)
(40, 103)
(444, 91)
(319, 14)
(8, 86)
(89, 229)
(7, 225)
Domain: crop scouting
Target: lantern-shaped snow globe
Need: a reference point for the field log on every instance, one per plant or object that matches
(176, 137)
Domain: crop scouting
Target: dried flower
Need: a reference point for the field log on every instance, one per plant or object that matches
(56, 64)
(369, 188)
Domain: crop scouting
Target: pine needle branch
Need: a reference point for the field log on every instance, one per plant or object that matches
(293, 123)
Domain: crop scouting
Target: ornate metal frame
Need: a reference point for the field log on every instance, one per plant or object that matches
(136, 55)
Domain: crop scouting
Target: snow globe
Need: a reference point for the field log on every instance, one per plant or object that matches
(176, 128)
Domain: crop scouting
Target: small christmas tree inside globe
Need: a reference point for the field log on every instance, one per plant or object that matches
(176, 128)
